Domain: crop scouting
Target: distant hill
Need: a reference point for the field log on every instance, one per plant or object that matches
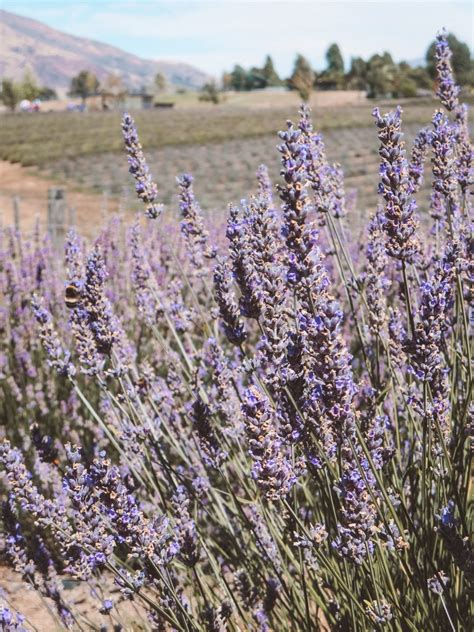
(54, 57)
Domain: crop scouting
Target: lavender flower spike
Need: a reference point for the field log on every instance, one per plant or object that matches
(448, 91)
(146, 189)
(271, 469)
(395, 187)
(58, 358)
(225, 298)
(192, 224)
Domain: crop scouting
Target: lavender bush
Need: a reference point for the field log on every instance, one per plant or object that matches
(258, 426)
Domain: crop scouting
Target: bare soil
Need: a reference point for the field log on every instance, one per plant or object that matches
(31, 188)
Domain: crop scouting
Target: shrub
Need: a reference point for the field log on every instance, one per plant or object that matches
(269, 431)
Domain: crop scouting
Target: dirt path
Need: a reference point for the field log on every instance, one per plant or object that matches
(32, 191)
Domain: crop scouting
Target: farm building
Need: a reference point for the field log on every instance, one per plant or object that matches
(139, 100)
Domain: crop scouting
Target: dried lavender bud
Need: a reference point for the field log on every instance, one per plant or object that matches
(146, 189)
(447, 91)
(271, 468)
(400, 223)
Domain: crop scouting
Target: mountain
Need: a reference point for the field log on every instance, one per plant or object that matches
(55, 57)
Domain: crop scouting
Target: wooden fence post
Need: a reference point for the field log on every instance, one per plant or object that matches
(16, 212)
(56, 214)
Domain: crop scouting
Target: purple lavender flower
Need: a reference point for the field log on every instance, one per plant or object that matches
(44, 445)
(461, 549)
(465, 152)
(375, 278)
(11, 621)
(359, 524)
(265, 187)
(239, 231)
(107, 606)
(192, 225)
(58, 358)
(438, 583)
(146, 189)
(316, 166)
(400, 223)
(443, 163)
(299, 238)
(379, 612)
(225, 298)
(271, 468)
(185, 528)
(141, 275)
(213, 454)
(419, 153)
(448, 91)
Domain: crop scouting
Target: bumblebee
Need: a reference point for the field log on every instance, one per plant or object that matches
(72, 296)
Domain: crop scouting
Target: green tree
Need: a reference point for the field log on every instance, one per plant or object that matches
(408, 81)
(29, 88)
(357, 75)
(10, 94)
(461, 61)
(47, 94)
(269, 73)
(160, 82)
(238, 78)
(210, 93)
(302, 78)
(84, 85)
(334, 59)
(255, 79)
(381, 72)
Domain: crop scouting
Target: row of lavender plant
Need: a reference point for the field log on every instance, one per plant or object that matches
(267, 430)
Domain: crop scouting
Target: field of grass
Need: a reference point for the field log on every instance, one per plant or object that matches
(39, 139)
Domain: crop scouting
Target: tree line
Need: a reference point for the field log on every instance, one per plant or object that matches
(379, 76)
(12, 92)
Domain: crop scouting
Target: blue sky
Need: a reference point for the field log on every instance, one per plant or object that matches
(215, 35)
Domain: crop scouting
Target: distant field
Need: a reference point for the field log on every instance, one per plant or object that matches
(38, 139)
(225, 171)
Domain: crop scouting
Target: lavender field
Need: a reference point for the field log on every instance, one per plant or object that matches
(258, 419)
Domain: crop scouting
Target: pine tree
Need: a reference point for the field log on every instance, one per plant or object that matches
(269, 73)
(302, 78)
